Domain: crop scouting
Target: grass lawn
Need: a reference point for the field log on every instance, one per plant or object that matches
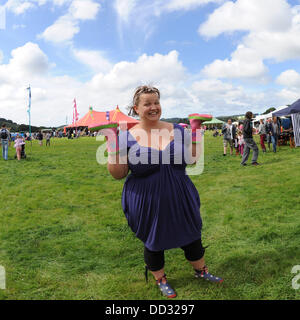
(63, 234)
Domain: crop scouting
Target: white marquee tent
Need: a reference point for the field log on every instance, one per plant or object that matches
(269, 115)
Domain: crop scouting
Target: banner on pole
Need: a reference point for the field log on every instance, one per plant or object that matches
(29, 109)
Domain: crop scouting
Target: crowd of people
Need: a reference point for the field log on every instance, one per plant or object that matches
(6, 139)
(19, 140)
(240, 138)
(80, 132)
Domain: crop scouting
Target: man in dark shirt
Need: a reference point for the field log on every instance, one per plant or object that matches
(5, 141)
(40, 138)
(249, 142)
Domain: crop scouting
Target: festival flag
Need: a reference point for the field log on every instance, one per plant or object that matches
(76, 114)
(73, 122)
(29, 109)
(91, 112)
(115, 114)
(29, 103)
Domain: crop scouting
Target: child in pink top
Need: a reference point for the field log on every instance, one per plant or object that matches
(19, 141)
(241, 142)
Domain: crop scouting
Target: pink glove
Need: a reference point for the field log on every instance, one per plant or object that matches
(196, 125)
(111, 136)
(196, 121)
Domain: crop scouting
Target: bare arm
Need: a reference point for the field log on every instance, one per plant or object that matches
(116, 169)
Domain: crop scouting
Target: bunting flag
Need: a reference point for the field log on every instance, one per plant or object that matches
(29, 103)
(76, 114)
(91, 112)
(73, 122)
(115, 114)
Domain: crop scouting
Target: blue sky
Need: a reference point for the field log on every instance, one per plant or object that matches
(213, 56)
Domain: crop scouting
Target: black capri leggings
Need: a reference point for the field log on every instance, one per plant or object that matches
(155, 260)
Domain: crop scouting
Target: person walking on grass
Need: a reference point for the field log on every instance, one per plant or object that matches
(241, 142)
(159, 200)
(274, 132)
(262, 133)
(48, 137)
(40, 138)
(19, 142)
(5, 141)
(249, 142)
(229, 136)
(268, 132)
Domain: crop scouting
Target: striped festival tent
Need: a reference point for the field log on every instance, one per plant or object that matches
(296, 126)
(294, 111)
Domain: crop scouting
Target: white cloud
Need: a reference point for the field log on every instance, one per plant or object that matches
(124, 8)
(60, 2)
(175, 5)
(142, 14)
(63, 30)
(28, 61)
(113, 85)
(274, 30)
(157, 69)
(84, 9)
(134, 8)
(211, 86)
(67, 26)
(244, 63)
(288, 96)
(21, 6)
(280, 45)
(18, 6)
(52, 96)
(94, 59)
(224, 97)
(289, 78)
(27, 64)
(245, 15)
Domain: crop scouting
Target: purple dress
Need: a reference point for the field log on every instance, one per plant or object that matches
(159, 200)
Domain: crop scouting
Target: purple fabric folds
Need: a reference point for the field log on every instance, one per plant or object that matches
(160, 202)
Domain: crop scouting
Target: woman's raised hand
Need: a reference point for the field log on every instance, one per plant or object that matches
(109, 130)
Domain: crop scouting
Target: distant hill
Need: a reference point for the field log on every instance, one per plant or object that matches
(14, 127)
(176, 120)
(223, 118)
(236, 117)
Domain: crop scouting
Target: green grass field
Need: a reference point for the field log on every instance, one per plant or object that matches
(63, 234)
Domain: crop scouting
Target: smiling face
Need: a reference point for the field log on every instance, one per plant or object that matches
(148, 107)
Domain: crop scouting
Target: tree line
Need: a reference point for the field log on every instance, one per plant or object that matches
(14, 127)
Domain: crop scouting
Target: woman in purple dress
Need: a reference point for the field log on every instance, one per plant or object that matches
(159, 200)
